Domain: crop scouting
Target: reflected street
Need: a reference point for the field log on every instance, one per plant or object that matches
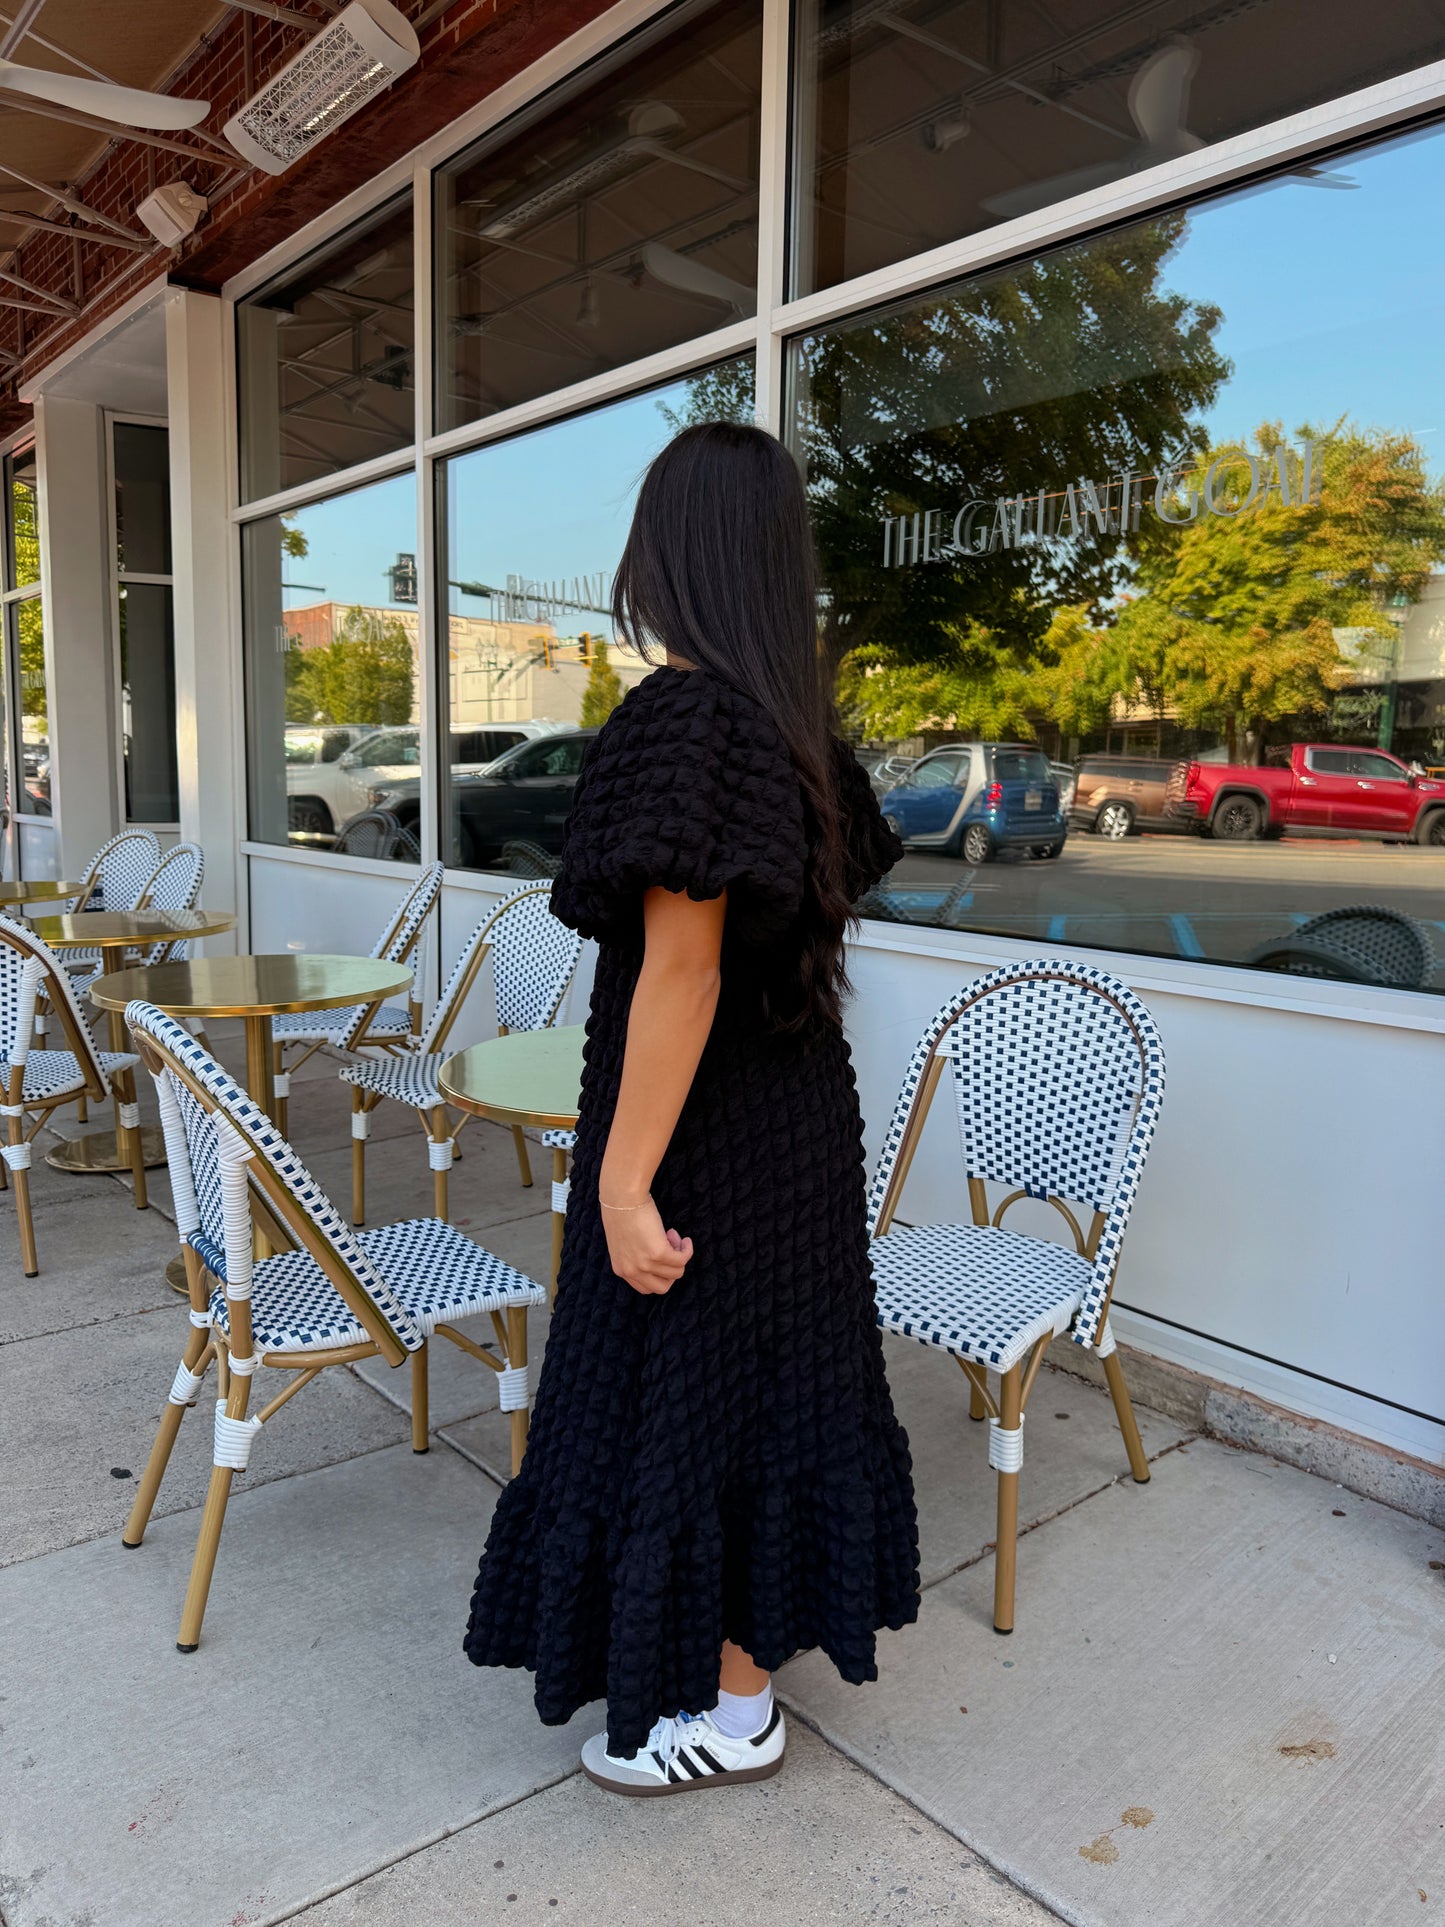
(1173, 896)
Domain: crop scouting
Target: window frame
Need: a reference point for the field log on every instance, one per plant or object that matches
(118, 578)
(1362, 114)
(12, 776)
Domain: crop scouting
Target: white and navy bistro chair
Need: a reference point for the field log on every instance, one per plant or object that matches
(333, 1298)
(174, 884)
(114, 880)
(37, 1081)
(1058, 1075)
(534, 958)
(358, 1027)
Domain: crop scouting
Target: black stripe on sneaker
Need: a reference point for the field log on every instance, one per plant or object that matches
(712, 1765)
(694, 1771)
(662, 1764)
(771, 1727)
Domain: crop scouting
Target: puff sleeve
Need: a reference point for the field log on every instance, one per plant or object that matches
(688, 787)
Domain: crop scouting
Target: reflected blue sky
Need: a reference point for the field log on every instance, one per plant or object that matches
(1333, 303)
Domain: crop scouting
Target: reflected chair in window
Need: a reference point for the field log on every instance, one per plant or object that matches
(328, 1296)
(521, 858)
(1058, 1075)
(534, 958)
(37, 1081)
(377, 833)
(360, 1027)
(1358, 943)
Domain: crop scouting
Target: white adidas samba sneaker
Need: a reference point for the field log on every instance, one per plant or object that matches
(687, 1752)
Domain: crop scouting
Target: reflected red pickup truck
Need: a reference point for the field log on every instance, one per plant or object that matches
(1323, 786)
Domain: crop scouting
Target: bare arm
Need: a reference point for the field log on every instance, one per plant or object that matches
(667, 1027)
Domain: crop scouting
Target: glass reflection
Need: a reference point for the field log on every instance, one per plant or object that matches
(614, 225)
(533, 529)
(1178, 529)
(332, 682)
(923, 120)
(325, 360)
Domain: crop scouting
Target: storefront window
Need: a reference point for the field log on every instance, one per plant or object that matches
(326, 360)
(1153, 544)
(29, 793)
(332, 683)
(919, 121)
(533, 530)
(144, 622)
(605, 228)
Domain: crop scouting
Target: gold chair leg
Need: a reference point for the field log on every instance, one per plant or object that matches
(1010, 1410)
(82, 1109)
(439, 1135)
(976, 1408)
(171, 1416)
(29, 1261)
(516, 1357)
(358, 1160)
(133, 1146)
(1128, 1424)
(559, 1220)
(522, 1162)
(420, 1414)
(208, 1541)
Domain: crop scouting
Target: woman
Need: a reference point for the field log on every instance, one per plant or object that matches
(715, 1477)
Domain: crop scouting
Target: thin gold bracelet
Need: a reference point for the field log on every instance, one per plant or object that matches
(626, 1207)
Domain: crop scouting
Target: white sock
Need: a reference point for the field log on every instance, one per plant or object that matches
(742, 1715)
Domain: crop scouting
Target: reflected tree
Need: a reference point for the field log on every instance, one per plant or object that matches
(365, 674)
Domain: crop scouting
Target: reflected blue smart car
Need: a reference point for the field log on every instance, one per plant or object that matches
(975, 799)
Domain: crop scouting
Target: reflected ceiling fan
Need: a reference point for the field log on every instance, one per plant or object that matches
(1158, 106)
(127, 106)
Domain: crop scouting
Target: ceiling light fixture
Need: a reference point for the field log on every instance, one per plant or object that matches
(354, 56)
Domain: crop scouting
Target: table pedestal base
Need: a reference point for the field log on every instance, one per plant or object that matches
(101, 1151)
(176, 1277)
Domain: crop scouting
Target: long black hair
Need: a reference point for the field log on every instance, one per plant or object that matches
(720, 570)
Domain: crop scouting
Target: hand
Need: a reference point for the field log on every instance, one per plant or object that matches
(642, 1253)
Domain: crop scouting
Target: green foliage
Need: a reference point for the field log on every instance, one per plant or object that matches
(29, 614)
(365, 674)
(721, 394)
(604, 688)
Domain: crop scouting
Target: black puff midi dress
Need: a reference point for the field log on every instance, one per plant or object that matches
(721, 1462)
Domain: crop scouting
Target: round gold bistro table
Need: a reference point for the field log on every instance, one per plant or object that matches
(255, 989)
(42, 890)
(527, 1077)
(112, 933)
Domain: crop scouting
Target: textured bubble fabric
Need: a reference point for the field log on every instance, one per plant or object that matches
(722, 1462)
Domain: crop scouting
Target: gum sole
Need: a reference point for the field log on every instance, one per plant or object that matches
(660, 1789)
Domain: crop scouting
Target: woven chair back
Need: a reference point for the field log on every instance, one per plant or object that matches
(396, 940)
(199, 1101)
(1058, 1076)
(1391, 947)
(175, 884)
(119, 872)
(27, 967)
(533, 961)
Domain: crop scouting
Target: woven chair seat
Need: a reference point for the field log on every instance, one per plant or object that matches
(54, 1073)
(410, 1080)
(333, 1026)
(977, 1291)
(437, 1273)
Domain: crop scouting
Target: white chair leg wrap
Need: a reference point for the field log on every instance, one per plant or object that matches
(201, 1320)
(1106, 1341)
(361, 1124)
(514, 1388)
(234, 1437)
(1005, 1448)
(244, 1367)
(440, 1154)
(129, 1115)
(282, 1083)
(17, 1156)
(186, 1386)
(560, 1189)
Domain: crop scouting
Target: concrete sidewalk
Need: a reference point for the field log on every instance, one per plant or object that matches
(1221, 1706)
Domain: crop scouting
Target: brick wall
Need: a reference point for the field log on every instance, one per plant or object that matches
(469, 50)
